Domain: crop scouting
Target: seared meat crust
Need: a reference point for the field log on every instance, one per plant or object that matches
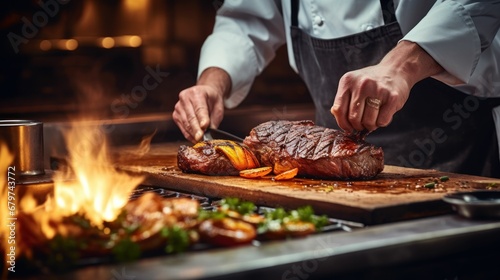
(316, 151)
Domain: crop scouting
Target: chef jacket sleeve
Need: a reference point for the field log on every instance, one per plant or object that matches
(244, 40)
(455, 32)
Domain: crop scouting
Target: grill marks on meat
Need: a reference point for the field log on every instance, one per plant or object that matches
(316, 151)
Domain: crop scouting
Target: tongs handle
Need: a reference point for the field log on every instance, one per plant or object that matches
(220, 134)
(359, 135)
(207, 136)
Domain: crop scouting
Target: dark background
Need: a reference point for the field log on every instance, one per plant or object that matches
(54, 84)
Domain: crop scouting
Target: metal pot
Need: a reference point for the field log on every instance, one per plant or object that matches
(24, 139)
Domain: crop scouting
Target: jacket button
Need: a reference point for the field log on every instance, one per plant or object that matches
(318, 21)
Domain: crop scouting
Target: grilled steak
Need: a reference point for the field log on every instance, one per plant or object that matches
(316, 151)
(216, 157)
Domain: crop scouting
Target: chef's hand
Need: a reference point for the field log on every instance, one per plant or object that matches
(369, 97)
(202, 105)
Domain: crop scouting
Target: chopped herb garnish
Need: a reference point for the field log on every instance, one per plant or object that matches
(64, 252)
(177, 239)
(430, 185)
(277, 214)
(444, 178)
(304, 214)
(126, 250)
(491, 186)
(320, 221)
(209, 214)
(246, 208)
(235, 204)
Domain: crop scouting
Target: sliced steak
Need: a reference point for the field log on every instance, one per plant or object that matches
(316, 151)
(216, 157)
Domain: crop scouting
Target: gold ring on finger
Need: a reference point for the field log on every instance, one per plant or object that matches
(373, 102)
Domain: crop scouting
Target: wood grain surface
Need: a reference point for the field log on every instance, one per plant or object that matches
(396, 194)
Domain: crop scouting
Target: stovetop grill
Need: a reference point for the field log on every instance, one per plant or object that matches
(208, 203)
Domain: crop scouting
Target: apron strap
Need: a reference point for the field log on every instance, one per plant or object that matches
(295, 13)
(388, 12)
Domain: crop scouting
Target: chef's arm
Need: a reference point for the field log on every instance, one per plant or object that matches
(245, 37)
(218, 79)
(244, 41)
(455, 33)
(410, 62)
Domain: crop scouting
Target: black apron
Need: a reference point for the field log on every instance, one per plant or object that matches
(438, 128)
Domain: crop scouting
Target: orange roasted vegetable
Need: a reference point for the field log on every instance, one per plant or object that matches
(287, 175)
(216, 157)
(226, 232)
(256, 172)
(240, 156)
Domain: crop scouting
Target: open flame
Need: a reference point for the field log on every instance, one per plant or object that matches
(89, 186)
(145, 145)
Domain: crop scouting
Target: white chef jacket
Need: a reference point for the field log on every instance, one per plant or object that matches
(461, 35)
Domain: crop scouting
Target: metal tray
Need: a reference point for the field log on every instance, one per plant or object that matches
(475, 204)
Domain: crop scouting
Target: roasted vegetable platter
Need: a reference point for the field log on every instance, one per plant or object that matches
(159, 222)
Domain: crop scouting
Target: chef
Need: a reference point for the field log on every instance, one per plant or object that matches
(423, 77)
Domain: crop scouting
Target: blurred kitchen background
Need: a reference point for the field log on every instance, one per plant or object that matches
(60, 58)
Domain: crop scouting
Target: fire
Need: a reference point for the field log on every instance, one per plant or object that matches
(145, 145)
(91, 186)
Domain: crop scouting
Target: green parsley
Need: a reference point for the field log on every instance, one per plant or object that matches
(177, 239)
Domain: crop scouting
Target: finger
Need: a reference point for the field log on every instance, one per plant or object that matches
(385, 116)
(187, 135)
(194, 104)
(356, 111)
(217, 114)
(371, 113)
(201, 109)
(192, 124)
(178, 117)
(389, 107)
(187, 118)
(340, 108)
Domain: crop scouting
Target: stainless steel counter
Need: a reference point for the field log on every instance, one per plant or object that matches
(443, 247)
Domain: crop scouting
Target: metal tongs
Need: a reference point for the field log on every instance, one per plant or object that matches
(214, 133)
(359, 135)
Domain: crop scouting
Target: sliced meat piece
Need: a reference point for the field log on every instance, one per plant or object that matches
(216, 157)
(316, 151)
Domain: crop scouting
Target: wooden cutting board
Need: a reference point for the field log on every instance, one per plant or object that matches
(396, 194)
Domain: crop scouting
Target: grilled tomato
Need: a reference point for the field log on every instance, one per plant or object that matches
(226, 232)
